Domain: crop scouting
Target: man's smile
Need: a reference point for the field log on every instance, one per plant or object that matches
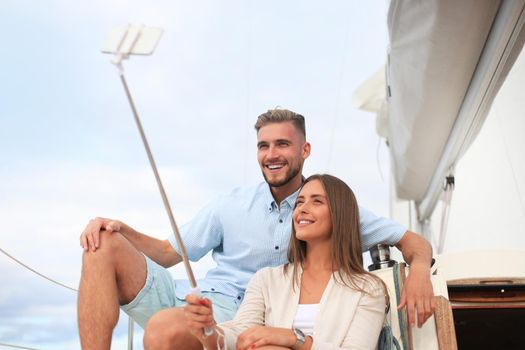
(275, 166)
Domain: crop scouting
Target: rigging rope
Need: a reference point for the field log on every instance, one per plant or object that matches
(36, 272)
(130, 325)
(338, 95)
(378, 160)
(16, 346)
(248, 116)
(511, 165)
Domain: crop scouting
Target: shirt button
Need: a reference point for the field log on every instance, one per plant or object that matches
(238, 298)
(281, 221)
(213, 289)
(276, 247)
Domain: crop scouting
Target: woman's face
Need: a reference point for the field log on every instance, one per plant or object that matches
(311, 218)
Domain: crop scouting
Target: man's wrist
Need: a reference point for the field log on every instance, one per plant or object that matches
(124, 229)
(420, 266)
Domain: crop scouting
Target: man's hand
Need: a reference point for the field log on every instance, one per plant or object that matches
(258, 336)
(90, 237)
(418, 296)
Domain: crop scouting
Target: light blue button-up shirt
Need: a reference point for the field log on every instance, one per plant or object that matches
(246, 231)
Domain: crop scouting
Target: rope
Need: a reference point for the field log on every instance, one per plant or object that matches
(338, 95)
(445, 213)
(248, 116)
(35, 272)
(130, 326)
(379, 168)
(402, 316)
(16, 346)
(511, 166)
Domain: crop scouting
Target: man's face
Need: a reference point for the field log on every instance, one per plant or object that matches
(281, 151)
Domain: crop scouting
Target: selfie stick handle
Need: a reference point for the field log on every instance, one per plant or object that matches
(197, 292)
(122, 48)
(189, 272)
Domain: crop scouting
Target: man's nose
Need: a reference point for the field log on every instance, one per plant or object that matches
(272, 152)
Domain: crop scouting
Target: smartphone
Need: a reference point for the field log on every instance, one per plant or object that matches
(132, 40)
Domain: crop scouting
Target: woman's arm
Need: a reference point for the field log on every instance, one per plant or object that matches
(276, 338)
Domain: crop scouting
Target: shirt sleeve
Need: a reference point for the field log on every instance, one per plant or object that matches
(202, 234)
(376, 230)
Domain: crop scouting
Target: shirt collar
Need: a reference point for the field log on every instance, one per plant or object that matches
(270, 201)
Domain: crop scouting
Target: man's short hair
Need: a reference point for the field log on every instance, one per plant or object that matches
(279, 115)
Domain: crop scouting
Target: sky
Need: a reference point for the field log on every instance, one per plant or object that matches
(70, 151)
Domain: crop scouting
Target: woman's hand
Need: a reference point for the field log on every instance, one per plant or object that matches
(199, 315)
(258, 336)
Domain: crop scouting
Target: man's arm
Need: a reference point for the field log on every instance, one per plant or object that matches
(157, 250)
(418, 294)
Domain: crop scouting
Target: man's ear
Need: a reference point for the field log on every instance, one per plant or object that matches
(306, 150)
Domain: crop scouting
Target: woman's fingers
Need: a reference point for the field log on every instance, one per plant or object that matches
(247, 338)
(198, 313)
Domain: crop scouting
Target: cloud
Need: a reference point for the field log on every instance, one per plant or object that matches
(49, 212)
(70, 150)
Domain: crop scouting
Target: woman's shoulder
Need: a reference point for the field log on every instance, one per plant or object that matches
(274, 274)
(366, 284)
(271, 271)
(373, 285)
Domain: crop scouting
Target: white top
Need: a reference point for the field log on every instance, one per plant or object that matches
(305, 318)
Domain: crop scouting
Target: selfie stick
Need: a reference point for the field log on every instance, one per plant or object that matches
(125, 47)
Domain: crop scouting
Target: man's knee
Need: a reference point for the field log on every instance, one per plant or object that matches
(109, 245)
(167, 330)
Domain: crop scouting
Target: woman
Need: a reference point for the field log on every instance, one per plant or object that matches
(322, 299)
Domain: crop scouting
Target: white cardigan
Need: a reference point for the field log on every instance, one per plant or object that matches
(347, 319)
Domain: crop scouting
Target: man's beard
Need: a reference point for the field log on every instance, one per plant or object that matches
(293, 173)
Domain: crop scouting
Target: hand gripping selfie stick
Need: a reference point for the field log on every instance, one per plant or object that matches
(140, 40)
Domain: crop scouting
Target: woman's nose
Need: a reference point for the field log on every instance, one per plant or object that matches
(304, 208)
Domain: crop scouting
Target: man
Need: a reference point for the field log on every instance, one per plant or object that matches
(245, 230)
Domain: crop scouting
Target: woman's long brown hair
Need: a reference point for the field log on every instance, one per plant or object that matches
(346, 252)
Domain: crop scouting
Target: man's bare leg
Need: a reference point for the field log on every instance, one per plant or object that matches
(167, 330)
(111, 276)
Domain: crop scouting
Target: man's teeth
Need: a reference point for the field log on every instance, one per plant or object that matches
(305, 222)
(275, 166)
